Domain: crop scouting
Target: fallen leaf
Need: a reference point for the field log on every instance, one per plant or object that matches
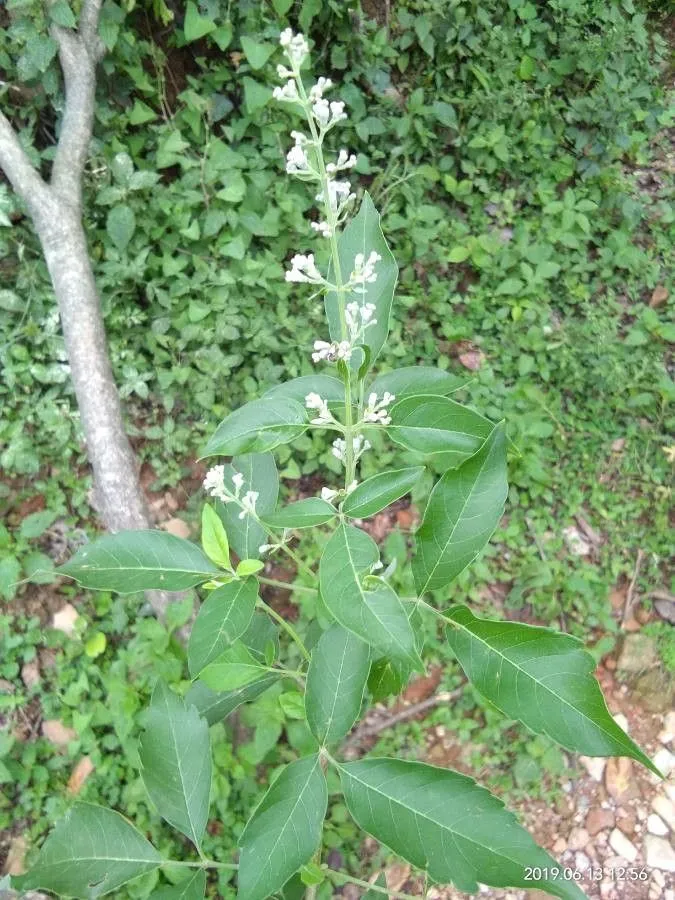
(14, 864)
(64, 620)
(58, 733)
(472, 359)
(397, 875)
(619, 778)
(177, 527)
(79, 775)
(659, 296)
(30, 673)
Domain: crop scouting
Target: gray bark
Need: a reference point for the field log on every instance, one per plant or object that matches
(56, 210)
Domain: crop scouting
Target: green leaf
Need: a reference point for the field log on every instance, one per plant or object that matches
(95, 645)
(260, 475)
(336, 679)
(140, 113)
(217, 705)
(120, 225)
(224, 616)
(458, 254)
(214, 538)
(61, 14)
(301, 514)
(256, 95)
(36, 523)
(132, 561)
(543, 678)
(443, 822)
(10, 573)
(527, 68)
(90, 852)
(258, 426)
(257, 52)
(363, 235)
(411, 380)
(175, 756)
(464, 509)
(331, 389)
(387, 678)
(379, 491)
(248, 567)
(284, 831)
(233, 669)
(438, 425)
(362, 603)
(193, 888)
(196, 26)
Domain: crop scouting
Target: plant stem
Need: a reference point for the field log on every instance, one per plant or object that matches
(286, 586)
(287, 627)
(371, 887)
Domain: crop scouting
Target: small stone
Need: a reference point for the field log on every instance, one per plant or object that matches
(594, 765)
(619, 778)
(14, 864)
(58, 733)
(618, 445)
(177, 527)
(664, 761)
(665, 808)
(578, 838)
(621, 845)
(581, 862)
(669, 722)
(64, 620)
(637, 653)
(621, 721)
(626, 822)
(576, 543)
(666, 737)
(560, 846)
(659, 853)
(599, 820)
(30, 673)
(656, 825)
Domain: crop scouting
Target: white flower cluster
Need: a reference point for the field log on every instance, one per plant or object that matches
(295, 47)
(358, 319)
(328, 494)
(314, 401)
(376, 410)
(344, 161)
(303, 268)
(332, 352)
(359, 447)
(297, 162)
(364, 271)
(214, 484)
(339, 195)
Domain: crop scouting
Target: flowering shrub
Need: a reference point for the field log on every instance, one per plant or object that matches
(438, 820)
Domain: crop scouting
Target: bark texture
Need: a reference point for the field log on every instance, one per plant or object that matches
(55, 206)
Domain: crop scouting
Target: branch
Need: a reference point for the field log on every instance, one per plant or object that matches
(22, 174)
(79, 53)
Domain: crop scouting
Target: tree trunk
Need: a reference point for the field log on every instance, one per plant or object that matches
(117, 494)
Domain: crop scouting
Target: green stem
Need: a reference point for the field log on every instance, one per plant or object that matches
(371, 887)
(202, 864)
(285, 586)
(287, 627)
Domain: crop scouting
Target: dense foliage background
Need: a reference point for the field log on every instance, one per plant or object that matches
(519, 154)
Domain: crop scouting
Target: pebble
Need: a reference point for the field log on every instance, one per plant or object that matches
(581, 862)
(664, 761)
(578, 838)
(621, 845)
(619, 778)
(659, 853)
(665, 808)
(598, 820)
(656, 825)
(594, 765)
(621, 721)
(560, 846)
(669, 722)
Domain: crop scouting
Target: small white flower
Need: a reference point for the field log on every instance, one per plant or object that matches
(214, 484)
(364, 271)
(376, 566)
(323, 228)
(344, 161)
(359, 318)
(359, 447)
(248, 502)
(295, 47)
(297, 162)
(328, 494)
(288, 93)
(263, 548)
(303, 268)
(314, 401)
(238, 482)
(332, 352)
(337, 111)
(376, 410)
(316, 91)
(283, 72)
(327, 114)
